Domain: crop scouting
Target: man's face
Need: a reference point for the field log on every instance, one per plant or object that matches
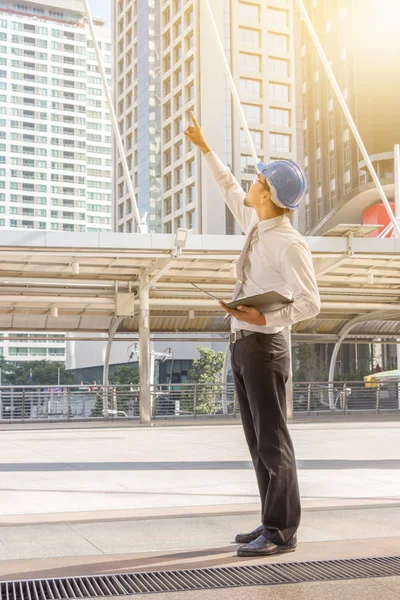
(258, 192)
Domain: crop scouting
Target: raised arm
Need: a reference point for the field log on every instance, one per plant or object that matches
(230, 188)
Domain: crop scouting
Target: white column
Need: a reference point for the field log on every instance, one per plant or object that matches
(396, 152)
(144, 352)
(398, 367)
(225, 378)
(289, 385)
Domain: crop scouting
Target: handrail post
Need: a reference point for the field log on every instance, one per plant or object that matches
(309, 399)
(67, 404)
(153, 400)
(195, 401)
(344, 398)
(114, 400)
(234, 403)
(378, 397)
(23, 405)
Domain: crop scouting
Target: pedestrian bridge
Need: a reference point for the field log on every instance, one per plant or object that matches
(83, 282)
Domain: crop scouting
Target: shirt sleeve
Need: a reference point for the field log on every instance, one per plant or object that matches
(233, 193)
(298, 272)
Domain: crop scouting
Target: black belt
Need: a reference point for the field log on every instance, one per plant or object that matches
(240, 334)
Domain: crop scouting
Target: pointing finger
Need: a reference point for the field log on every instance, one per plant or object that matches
(195, 123)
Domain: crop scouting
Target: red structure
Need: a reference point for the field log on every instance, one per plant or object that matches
(377, 215)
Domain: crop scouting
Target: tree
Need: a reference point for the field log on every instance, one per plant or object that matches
(309, 366)
(40, 373)
(207, 369)
(125, 374)
(120, 375)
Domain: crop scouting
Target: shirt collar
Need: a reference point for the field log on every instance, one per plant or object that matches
(271, 223)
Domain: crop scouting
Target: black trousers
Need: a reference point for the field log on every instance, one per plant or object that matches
(260, 365)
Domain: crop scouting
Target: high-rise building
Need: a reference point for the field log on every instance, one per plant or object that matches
(55, 134)
(362, 44)
(165, 69)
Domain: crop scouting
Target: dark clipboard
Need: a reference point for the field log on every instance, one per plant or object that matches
(266, 302)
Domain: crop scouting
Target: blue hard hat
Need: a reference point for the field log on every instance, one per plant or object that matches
(287, 182)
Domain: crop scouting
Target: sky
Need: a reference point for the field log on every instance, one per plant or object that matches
(101, 8)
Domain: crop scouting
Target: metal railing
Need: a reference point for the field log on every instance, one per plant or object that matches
(187, 401)
(346, 397)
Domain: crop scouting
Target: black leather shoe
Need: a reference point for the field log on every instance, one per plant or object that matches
(246, 538)
(263, 547)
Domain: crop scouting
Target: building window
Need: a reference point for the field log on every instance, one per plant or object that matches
(189, 17)
(191, 219)
(178, 200)
(280, 142)
(167, 110)
(190, 194)
(166, 40)
(178, 76)
(346, 154)
(189, 42)
(189, 92)
(279, 116)
(279, 91)
(362, 177)
(249, 11)
(167, 86)
(178, 102)
(252, 113)
(190, 168)
(189, 67)
(250, 62)
(252, 37)
(278, 66)
(256, 136)
(179, 224)
(167, 206)
(278, 43)
(250, 87)
(166, 17)
(178, 175)
(177, 28)
(167, 158)
(167, 134)
(168, 182)
(177, 53)
(178, 150)
(167, 62)
(168, 227)
(178, 126)
(277, 17)
(247, 164)
(332, 163)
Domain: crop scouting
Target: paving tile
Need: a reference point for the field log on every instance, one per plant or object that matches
(341, 590)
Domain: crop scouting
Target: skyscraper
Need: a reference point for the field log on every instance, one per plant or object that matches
(184, 65)
(55, 133)
(362, 44)
(55, 137)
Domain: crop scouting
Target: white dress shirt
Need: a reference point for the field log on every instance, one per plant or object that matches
(278, 260)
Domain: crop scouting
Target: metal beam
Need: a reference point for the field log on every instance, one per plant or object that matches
(144, 352)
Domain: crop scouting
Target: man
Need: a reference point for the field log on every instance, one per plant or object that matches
(274, 257)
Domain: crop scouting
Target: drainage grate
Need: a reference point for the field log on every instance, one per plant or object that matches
(198, 579)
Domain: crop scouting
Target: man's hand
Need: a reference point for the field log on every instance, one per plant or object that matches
(248, 314)
(196, 136)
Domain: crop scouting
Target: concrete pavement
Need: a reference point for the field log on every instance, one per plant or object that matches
(95, 500)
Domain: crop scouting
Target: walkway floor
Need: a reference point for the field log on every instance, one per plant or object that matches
(84, 501)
